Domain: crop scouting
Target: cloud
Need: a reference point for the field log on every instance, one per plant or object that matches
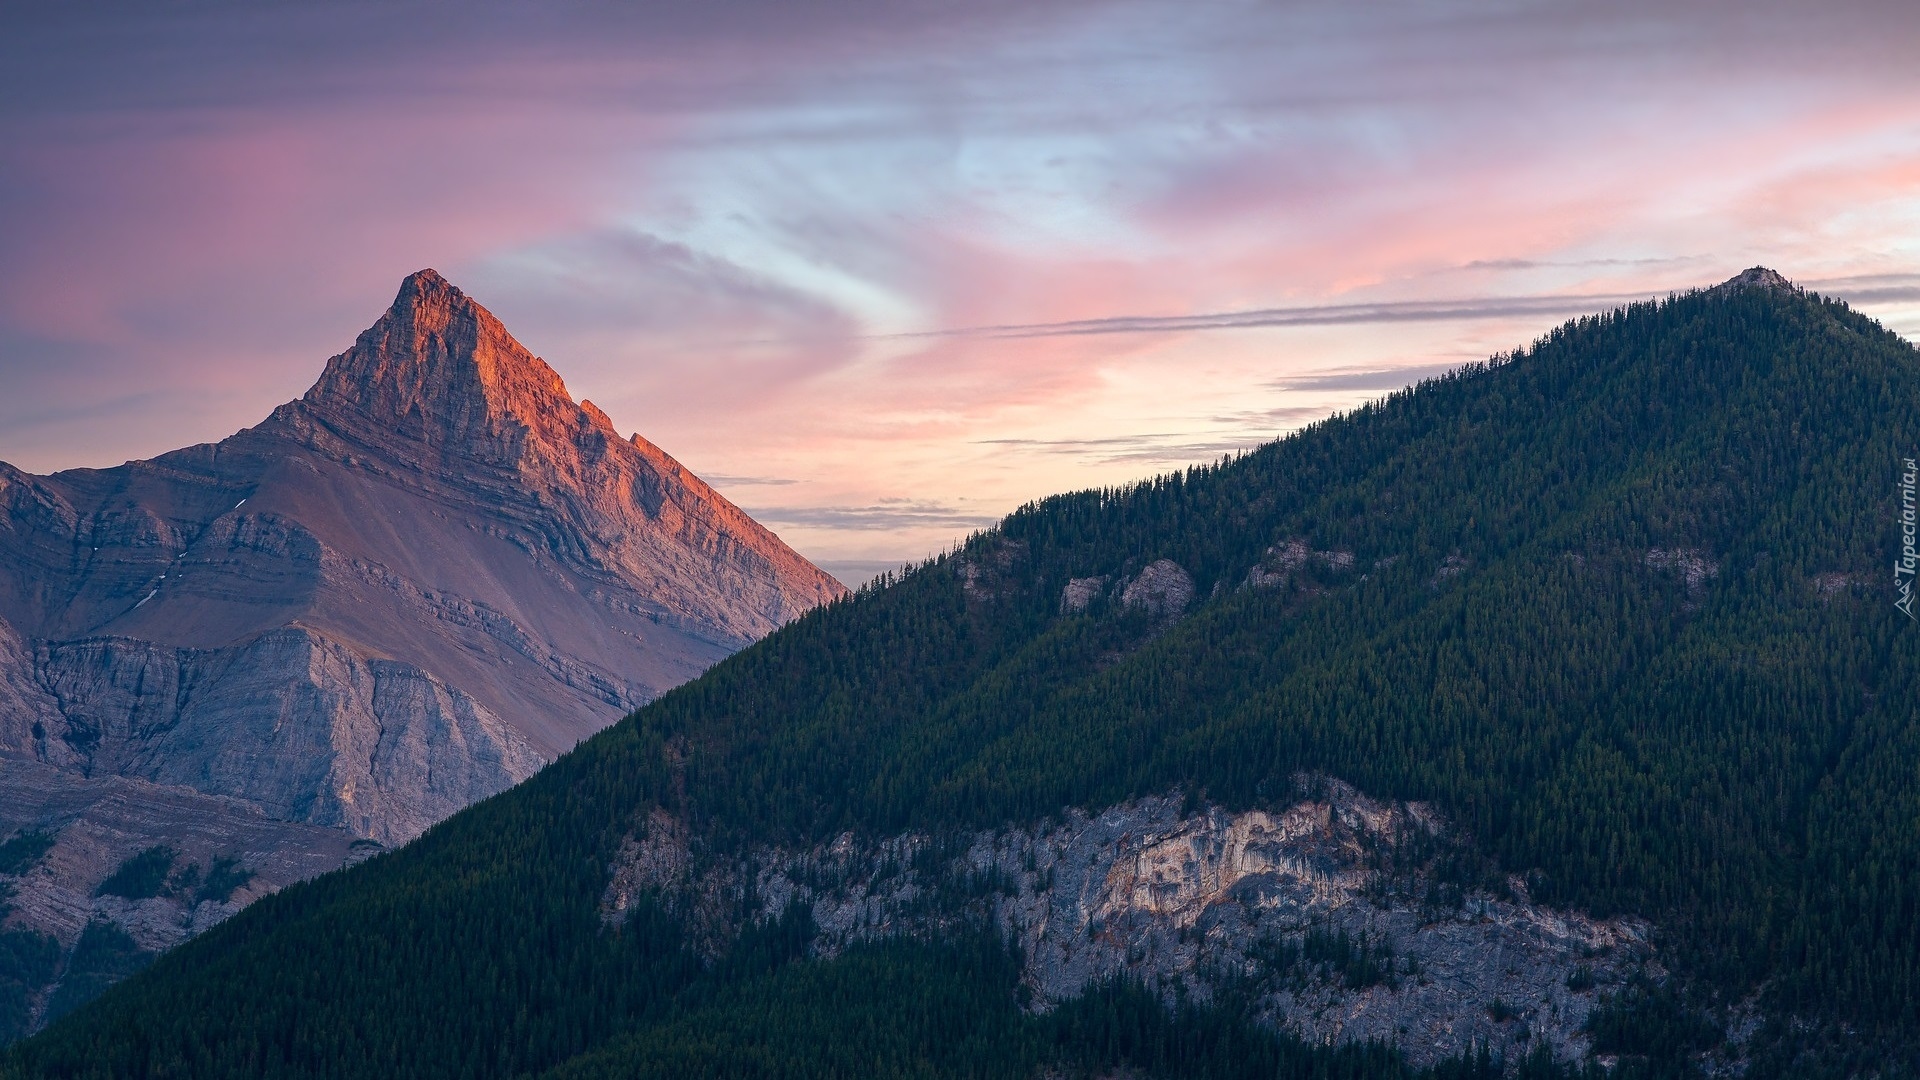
(1143, 450)
(1266, 424)
(1868, 289)
(723, 480)
(1883, 295)
(854, 573)
(636, 317)
(629, 281)
(1537, 264)
(1469, 309)
(1862, 281)
(61, 59)
(965, 251)
(886, 515)
(1379, 378)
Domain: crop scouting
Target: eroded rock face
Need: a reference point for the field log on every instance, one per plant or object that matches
(401, 593)
(1294, 904)
(1163, 589)
(399, 751)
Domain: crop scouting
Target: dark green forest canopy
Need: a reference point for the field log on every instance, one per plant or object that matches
(1620, 603)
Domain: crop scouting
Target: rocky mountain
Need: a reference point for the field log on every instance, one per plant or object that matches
(1553, 718)
(401, 593)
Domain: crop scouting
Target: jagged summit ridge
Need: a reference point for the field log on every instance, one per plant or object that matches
(446, 401)
(440, 368)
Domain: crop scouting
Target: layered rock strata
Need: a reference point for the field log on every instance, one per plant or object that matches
(401, 593)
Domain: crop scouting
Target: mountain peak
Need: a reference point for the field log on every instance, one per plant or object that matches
(427, 291)
(444, 398)
(1758, 277)
(426, 278)
(440, 368)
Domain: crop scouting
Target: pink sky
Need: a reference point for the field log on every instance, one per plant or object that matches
(788, 242)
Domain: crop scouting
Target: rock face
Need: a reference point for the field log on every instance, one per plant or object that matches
(1163, 589)
(1080, 592)
(1330, 911)
(1284, 562)
(403, 592)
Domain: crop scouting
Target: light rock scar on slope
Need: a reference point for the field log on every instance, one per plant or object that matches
(1302, 907)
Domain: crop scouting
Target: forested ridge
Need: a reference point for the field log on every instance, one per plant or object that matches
(1619, 603)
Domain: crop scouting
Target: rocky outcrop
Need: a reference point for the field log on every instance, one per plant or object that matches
(403, 592)
(1163, 589)
(1283, 562)
(1081, 592)
(1330, 912)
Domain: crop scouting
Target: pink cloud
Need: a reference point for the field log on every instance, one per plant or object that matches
(718, 230)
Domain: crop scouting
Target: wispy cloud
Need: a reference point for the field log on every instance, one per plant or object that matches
(1869, 289)
(1266, 424)
(1864, 289)
(726, 480)
(1583, 264)
(854, 573)
(1369, 378)
(1467, 309)
(1885, 295)
(883, 515)
(1145, 450)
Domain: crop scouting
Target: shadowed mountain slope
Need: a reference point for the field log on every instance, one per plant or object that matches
(1617, 609)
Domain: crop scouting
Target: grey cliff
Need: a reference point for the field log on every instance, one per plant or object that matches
(1315, 908)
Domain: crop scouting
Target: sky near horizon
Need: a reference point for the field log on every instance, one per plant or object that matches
(882, 271)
